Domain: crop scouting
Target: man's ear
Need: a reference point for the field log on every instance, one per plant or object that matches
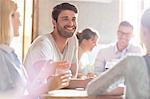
(84, 41)
(53, 22)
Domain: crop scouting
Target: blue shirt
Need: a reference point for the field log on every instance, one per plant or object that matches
(11, 71)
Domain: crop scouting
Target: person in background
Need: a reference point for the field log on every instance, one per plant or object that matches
(12, 73)
(113, 53)
(87, 41)
(134, 69)
(117, 50)
(58, 47)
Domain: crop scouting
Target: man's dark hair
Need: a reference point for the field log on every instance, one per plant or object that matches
(63, 6)
(125, 23)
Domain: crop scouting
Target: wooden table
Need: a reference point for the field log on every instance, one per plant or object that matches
(74, 94)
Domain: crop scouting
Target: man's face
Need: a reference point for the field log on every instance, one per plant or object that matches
(124, 34)
(66, 23)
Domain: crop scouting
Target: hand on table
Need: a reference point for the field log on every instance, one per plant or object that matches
(59, 81)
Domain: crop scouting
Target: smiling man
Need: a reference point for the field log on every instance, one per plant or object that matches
(112, 54)
(59, 46)
(108, 56)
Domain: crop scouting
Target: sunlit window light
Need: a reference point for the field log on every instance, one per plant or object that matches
(132, 11)
(22, 43)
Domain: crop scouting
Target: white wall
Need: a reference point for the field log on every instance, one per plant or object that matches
(104, 17)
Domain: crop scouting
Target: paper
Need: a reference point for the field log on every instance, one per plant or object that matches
(68, 93)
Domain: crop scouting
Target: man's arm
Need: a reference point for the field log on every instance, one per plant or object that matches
(74, 70)
(74, 64)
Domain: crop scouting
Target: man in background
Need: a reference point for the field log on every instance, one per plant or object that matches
(107, 57)
(117, 50)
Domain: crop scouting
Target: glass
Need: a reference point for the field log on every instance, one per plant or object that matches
(121, 33)
(62, 68)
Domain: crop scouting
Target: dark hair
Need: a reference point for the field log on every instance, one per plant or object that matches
(125, 23)
(63, 6)
(145, 20)
(86, 34)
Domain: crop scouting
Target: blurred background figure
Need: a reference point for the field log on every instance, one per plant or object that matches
(87, 41)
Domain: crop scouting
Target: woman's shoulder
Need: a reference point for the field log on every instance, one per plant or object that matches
(4, 58)
(5, 52)
(5, 48)
(134, 57)
(136, 61)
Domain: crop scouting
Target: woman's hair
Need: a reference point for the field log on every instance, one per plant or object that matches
(7, 9)
(86, 34)
(145, 20)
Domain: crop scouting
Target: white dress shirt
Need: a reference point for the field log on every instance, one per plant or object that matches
(109, 56)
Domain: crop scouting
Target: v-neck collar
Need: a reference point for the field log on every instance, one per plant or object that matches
(61, 55)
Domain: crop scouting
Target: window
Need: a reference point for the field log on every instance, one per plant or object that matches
(131, 10)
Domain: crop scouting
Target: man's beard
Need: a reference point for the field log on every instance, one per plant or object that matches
(64, 33)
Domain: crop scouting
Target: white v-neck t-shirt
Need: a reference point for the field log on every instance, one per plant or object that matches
(45, 48)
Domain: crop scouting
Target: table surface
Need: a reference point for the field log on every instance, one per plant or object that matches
(74, 94)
